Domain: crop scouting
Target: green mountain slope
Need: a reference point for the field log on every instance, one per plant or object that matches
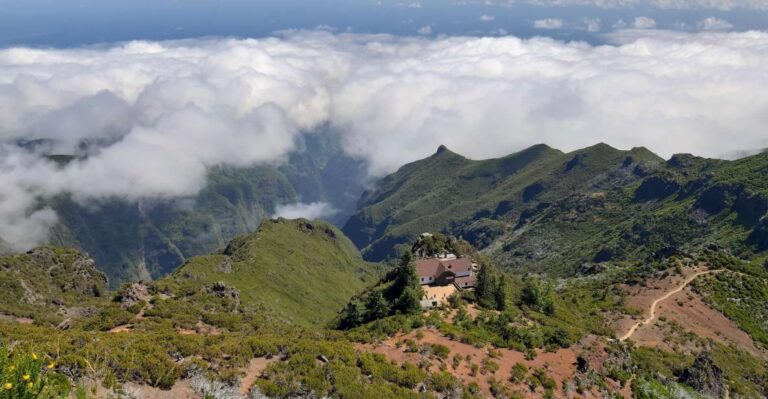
(47, 285)
(303, 270)
(541, 209)
(149, 238)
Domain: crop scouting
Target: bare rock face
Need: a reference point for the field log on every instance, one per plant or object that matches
(705, 376)
(132, 295)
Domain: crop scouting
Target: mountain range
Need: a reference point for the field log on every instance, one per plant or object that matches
(599, 273)
(544, 210)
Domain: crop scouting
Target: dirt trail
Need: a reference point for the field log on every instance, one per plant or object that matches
(661, 299)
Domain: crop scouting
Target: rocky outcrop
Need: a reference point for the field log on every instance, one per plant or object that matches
(705, 376)
(71, 270)
(132, 294)
(220, 289)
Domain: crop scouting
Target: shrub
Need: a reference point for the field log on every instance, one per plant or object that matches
(518, 373)
(28, 376)
(441, 351)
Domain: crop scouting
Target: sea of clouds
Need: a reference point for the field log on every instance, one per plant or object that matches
(147, 119)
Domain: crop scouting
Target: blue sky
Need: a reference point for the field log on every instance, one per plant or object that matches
(71, 23)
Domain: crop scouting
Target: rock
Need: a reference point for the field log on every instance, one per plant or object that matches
(322, 358)
(132, 295)
(221, 290)
(421, 387)
(64, 325)
(582, 364)
(705, 376)
(57, 302)
(225, 266)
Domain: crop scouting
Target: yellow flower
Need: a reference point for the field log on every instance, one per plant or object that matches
(8, 386)
(34, 356)
(25, 377)
(51, 365)
(30, 385)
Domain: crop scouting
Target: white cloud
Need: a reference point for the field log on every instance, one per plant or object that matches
(487, 18)
(425, 30)
(644, 23)
(313, 210)
(620, 24)
(156, 116)
(713, 23)
(591, 24)
(414, 5)
(548, 23)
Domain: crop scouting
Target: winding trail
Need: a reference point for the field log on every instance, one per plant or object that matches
(662, 298)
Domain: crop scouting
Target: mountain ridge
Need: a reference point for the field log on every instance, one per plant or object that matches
(573, 198)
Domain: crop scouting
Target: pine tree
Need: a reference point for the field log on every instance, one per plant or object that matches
(406, 273)
(410, 301)
(500, 294)
(486, 285)
(351, 316)
(376, 306)
(406, 287)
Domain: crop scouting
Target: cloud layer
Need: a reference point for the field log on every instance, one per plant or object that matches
(147, 119)
(312, 210)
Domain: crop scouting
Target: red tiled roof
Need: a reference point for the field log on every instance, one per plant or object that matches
(458, 265)
(433, 267)
(428, 267)
(468, 281)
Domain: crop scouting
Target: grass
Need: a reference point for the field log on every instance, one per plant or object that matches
(305, 271)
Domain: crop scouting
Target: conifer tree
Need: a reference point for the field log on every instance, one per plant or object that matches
(486, 285)
(376, 306)
(351, 316)
(410, 301)
(406, 286)
(500, 294)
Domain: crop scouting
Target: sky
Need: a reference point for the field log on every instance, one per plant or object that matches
(67, 23)
(149, 95)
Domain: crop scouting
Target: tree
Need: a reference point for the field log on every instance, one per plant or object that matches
(406, 273)
(500, 295)
(410, 301)
(538, 295)
(486, 285)
(406, 288)
(376, 306)
(351, 316)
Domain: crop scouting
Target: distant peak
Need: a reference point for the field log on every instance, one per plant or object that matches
(441, 149)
